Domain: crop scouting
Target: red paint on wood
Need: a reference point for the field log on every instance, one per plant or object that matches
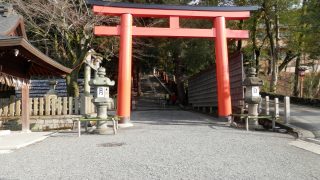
(125, 59)
(174, 22)
(170, 32)
(223, 82)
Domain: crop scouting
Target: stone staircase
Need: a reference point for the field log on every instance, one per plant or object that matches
(153, 95)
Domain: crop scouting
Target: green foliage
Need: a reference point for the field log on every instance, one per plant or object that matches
(265, 86)
(312, 85)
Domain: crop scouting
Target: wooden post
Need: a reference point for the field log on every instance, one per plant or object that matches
(76, 105)
(83, 105)
(25, 118)
(35, 106)
(6, 107)
(30, 106)
(41, 107)
(47, 106)
(64, 106)
(53, 106)
(70, 107)
(11, 106)
(1, 107)
(18, 108)
(59, 106)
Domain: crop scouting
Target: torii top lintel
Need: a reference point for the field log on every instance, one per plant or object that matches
(152, 10)
(174, 12)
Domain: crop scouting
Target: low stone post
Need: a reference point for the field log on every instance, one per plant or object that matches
(286, 110)
(276, 112)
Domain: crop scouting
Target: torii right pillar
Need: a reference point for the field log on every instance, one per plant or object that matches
(222, 68)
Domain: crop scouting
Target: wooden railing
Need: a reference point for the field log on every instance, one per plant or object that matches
(47, 106)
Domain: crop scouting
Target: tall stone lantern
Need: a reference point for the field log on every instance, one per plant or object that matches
(252, 95)
(101, 97)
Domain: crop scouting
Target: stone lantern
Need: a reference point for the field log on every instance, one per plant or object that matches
(252, 95)
(52, 86)
(302, 72)
(101, 97)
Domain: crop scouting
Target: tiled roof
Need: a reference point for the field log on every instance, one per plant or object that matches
(13, 37)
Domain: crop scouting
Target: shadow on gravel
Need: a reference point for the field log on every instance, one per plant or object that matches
(70, 134)
(180, 118)
(260, 134)
(175, 122)
(308, 126)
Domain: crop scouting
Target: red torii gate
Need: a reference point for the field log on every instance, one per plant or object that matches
(126, 31)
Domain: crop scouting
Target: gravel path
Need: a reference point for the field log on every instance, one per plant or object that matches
(164, 145)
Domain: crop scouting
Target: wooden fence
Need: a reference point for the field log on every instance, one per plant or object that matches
(203, 86)
(47, 106)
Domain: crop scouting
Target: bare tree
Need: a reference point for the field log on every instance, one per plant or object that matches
(65, 28)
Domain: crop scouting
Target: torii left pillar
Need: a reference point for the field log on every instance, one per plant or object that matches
(125, 64)
(222, 69)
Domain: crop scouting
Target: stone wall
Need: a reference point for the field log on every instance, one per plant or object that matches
(41, 123)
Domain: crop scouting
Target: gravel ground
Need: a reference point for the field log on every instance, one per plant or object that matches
(164, 145)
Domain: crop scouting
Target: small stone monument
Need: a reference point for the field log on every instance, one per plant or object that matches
(52, 86)
(49, 96)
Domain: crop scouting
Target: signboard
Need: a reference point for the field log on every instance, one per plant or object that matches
(255, 91)
(101, 91)
(252, 92)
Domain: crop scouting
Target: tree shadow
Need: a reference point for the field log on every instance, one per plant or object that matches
(176, 117)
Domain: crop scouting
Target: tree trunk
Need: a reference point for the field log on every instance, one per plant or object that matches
(72, 84)
(275, 48)
(317, 90)
(289, 57)
(296, 77)
(239, 43)
(273, 56)
(257, 58)
(139, 81)
(300, 43)
(255, 48)
(178, 74)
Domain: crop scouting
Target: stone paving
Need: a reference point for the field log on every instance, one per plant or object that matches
(164, 145)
